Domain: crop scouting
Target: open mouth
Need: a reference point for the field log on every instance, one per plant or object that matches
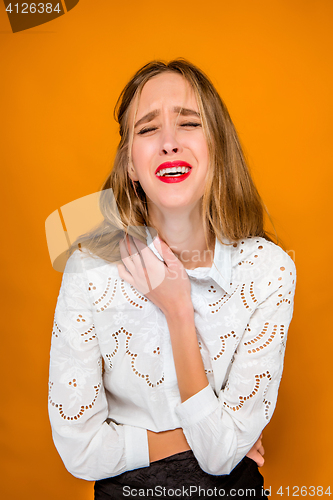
(173, 172)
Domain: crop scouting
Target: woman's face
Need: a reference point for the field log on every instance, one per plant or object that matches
(168, 134)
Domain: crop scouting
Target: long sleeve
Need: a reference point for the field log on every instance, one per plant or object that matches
(90, 447)
(221, 428)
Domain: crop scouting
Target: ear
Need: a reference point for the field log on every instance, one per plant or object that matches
(132, 172)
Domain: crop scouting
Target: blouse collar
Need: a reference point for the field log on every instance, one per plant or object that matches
(220, 271)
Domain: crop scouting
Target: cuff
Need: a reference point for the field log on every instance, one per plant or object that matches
(136, 447)
(199, 406)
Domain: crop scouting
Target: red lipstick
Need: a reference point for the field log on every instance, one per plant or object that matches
(172, 177)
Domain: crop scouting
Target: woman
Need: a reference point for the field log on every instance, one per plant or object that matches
(190, 324)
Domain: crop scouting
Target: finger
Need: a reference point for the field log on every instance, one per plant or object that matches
(136, 255)
(124, 274)
(141, 247)
(169, 257)
(256, 457)
(143, 251)
(261, 450)
(140, 272)
(135, 265)
(154, 270)
(140, 285)
(260, 461)
(128, 246)
(126, 258)
(130, 256)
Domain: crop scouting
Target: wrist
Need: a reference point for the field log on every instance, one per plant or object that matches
(180, 314)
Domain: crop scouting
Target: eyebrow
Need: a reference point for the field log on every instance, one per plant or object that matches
(177, 109)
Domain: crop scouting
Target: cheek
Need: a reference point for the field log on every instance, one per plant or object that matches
(141, 155)
(200, 147)
(205, 152)
(136, 155)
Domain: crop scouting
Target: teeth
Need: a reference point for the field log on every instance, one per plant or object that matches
(173, 170)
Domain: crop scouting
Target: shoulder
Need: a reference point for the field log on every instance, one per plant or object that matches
(83, 266)
(258, 259)
(87, 274)
(82, 260)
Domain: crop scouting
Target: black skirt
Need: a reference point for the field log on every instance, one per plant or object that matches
(180, 476)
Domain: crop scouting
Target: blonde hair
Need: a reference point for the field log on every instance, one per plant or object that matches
(231, 205)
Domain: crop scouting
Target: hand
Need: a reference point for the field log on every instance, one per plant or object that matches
(166, 283)
(256, 453)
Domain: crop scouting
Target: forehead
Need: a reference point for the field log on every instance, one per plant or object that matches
(166, 91)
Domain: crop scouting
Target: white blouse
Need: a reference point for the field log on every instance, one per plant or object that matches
(243, 306)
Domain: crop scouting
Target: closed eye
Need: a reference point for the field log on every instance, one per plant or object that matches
(146, 130)
(191, 124)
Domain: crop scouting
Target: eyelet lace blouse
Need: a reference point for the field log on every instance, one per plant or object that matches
(243, 306)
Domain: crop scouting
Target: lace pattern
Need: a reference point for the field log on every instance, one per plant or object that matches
(241, 331)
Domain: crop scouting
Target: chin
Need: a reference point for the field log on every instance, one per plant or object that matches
(177, 203)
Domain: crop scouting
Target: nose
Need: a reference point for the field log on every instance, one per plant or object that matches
(169, 142)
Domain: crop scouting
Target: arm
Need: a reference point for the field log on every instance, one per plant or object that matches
(222, 430)
(90, 448)
(190, 370)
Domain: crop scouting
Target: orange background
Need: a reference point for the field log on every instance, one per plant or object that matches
(271, 62)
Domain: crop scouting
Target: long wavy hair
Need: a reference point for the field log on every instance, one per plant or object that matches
(231, 206)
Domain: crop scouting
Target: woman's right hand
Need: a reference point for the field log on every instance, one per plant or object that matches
(256, 453)
(166, 283)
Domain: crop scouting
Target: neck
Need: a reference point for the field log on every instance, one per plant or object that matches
(184, 233)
